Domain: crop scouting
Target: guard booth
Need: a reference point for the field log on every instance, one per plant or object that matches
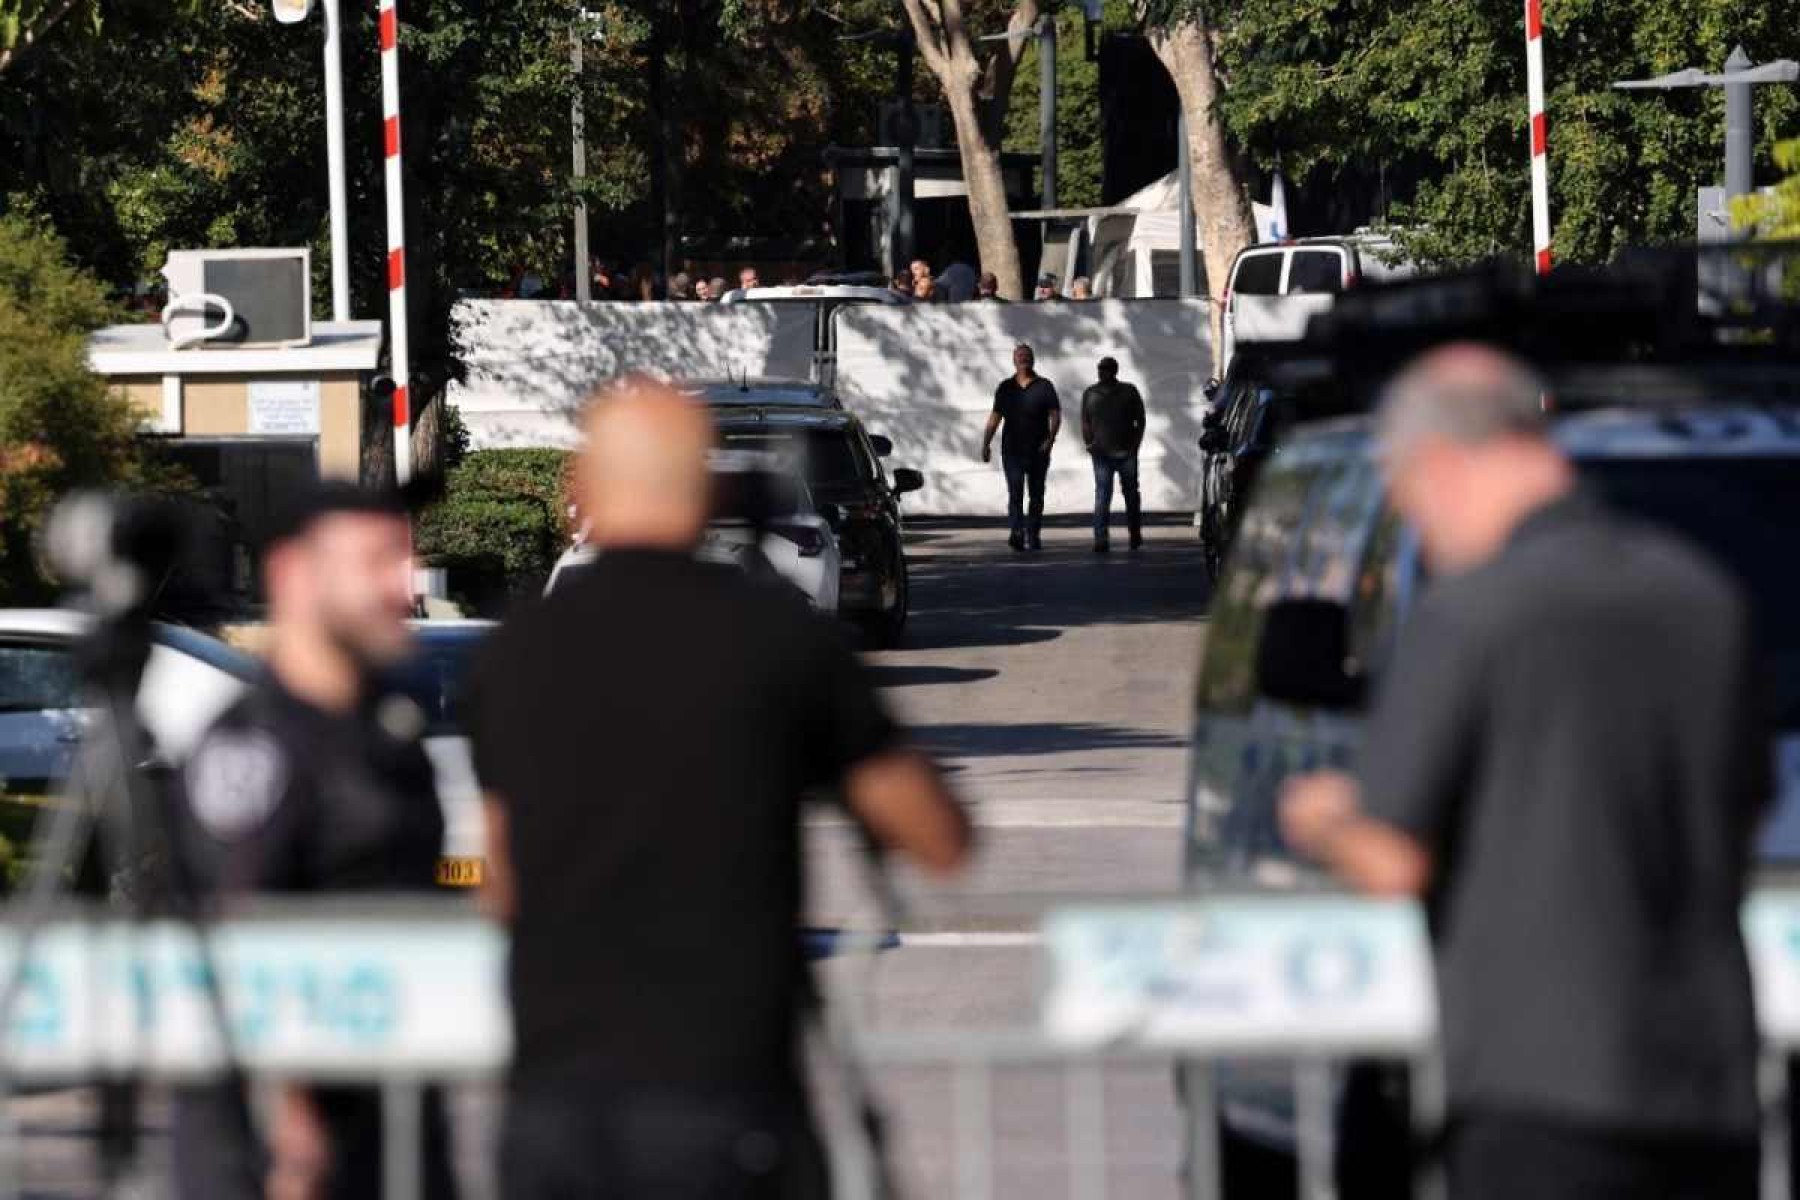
(248, 422)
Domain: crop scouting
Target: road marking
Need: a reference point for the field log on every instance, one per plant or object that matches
(988, 940)
(1057, 814)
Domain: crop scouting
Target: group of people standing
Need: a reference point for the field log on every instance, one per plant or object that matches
(959, 283)
(642, 283)
(1027, 415)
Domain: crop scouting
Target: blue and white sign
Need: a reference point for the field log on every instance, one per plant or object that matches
(345, 999)
(1772, 938)
(1239, 974)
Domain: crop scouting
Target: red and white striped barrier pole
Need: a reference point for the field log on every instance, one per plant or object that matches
(1540, 133)
(396, 238)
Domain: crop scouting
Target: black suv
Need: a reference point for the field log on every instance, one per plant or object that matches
(841, 463)
(1322, 574)
(1250, 411)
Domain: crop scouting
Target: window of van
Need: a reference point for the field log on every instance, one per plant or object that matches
(1316, 271)
(1258, 275)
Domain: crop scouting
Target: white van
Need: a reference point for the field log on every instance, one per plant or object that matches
(1275, 288)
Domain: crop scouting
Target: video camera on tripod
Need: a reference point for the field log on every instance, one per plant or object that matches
(126, 560)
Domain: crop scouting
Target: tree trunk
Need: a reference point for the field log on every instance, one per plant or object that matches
(941, 31)
(427, 433)
(989, 212)
(1221, 180)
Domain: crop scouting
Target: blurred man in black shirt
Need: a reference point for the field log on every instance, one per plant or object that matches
(1112, 428)
(1567, 761)
(645, 737)
(316, 781)
(1026, 405)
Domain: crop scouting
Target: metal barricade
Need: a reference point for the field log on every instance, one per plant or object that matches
(1180, 985)
(402, 996)
(392, 994)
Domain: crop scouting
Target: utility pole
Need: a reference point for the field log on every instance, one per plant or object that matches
(1739, 174)
(906, 133)
(1046, 39)
(1184, 209)
(584, 284)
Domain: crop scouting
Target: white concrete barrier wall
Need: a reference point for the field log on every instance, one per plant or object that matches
(531, 362)
(925, 377)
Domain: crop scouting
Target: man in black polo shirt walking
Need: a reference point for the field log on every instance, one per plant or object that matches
(1567, 761)
(1026, 404)
(1112, 428)
(644, 737)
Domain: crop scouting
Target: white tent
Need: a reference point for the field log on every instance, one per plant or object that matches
(1132, 248)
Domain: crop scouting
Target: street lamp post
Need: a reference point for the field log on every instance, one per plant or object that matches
(334, 163)
(1739, 80)
(292, 12)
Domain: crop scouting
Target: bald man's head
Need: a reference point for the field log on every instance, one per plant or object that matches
(642, 479)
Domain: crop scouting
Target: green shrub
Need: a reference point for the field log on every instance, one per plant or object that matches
(500, 525)
(60, 428)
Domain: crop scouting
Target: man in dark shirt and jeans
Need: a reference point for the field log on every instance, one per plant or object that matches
(1566, 760)
(644, 737)
(1112, 428)
(1026, 404)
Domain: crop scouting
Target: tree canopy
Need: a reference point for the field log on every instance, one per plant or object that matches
(1430, 94)
(60, 428)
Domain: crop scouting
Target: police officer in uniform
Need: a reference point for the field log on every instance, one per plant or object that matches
(315, 781)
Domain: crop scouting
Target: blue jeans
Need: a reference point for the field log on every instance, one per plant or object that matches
(1104, 470)
(1023, 472)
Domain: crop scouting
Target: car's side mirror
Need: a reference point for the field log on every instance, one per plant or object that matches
(883, 446)
(1304, 655)
(907, 480)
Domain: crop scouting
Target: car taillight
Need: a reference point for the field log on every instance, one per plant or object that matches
(810, 541)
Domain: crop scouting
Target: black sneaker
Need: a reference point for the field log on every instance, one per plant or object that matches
(1102, 547)
(1017, 543)
(1035, 544)
(1137, 541)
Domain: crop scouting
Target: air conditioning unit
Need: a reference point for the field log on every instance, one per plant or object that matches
(241, 297)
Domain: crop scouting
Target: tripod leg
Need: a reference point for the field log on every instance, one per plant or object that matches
(56, 849)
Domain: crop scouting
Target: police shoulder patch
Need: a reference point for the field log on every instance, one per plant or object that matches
(235, 780)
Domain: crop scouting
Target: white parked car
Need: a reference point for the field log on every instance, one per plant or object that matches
(189, 679)
(764, 521)
(1276, 287)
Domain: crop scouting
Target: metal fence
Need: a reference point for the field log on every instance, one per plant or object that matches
(401, 997)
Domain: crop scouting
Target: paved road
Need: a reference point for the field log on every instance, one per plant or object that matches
(1055, 690)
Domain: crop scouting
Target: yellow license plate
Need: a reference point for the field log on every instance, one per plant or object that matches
(460, 872)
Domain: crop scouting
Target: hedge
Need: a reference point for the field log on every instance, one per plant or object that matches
(500, 525)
